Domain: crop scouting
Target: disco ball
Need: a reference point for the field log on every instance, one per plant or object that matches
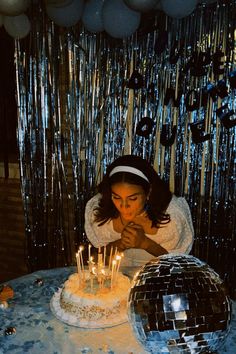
(178, 304)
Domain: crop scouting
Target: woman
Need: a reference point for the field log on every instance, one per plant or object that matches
(135, 211)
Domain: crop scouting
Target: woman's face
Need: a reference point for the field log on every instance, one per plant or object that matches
(129, 199)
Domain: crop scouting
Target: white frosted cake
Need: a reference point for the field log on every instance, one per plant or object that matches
(88, 302)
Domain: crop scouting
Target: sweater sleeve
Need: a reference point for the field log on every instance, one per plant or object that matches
(178, 235)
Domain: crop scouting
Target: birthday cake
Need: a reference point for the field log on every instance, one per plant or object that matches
(91, 300)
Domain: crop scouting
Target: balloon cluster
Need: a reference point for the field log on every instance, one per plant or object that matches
(119, 18)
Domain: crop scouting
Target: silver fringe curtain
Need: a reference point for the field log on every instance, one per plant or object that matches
(167, 93)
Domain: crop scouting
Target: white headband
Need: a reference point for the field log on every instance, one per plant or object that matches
(129, 169)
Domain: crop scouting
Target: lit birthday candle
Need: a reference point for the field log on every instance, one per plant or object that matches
(89, 251)
(118, 259)
(81, 257)
(78, 263)
(115, 252)
(113, 272)
(100, 260)
(82, 261)
(104, 256)
(110, 258)
(103, 276)
(90, 263)
(92, 276)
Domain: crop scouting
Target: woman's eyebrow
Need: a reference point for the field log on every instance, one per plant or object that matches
(128, 196)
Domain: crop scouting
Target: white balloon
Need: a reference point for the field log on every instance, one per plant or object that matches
(1, 20)
(17, 26)
(13, 7)
(66, 16)
(178, 8)
(92, 15)
(118, 19)
(141, 5)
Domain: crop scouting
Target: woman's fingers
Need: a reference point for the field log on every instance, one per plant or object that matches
(132, 235)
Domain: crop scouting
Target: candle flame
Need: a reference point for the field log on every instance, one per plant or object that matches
(94, 270)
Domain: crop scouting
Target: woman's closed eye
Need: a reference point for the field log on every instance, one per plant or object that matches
(116, 197)
(132, 198)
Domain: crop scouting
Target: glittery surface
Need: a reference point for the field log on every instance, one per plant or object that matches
(38, 331)
(178, 304)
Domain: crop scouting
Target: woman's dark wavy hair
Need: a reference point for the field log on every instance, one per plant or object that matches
(159, 197)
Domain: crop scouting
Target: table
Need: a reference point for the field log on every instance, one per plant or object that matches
(39, 331)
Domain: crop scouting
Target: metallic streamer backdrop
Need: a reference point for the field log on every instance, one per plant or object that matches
(77, 112)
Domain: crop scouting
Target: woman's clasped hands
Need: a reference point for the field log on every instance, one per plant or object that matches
(133, 236)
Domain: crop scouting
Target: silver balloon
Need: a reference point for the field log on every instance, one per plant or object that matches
(13, 7)
(92, 16)
(124, 23)
(142, 5)
(178, 304)
(178, 8)
(1, 20)
(58, 3)
(17, 26)
(207, 2)
(66, 16)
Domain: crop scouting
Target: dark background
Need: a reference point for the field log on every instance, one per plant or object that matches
(8, 109)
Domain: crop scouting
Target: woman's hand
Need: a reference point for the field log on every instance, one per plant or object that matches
(133, 236)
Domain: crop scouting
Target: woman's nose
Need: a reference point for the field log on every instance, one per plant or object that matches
(124, 204)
